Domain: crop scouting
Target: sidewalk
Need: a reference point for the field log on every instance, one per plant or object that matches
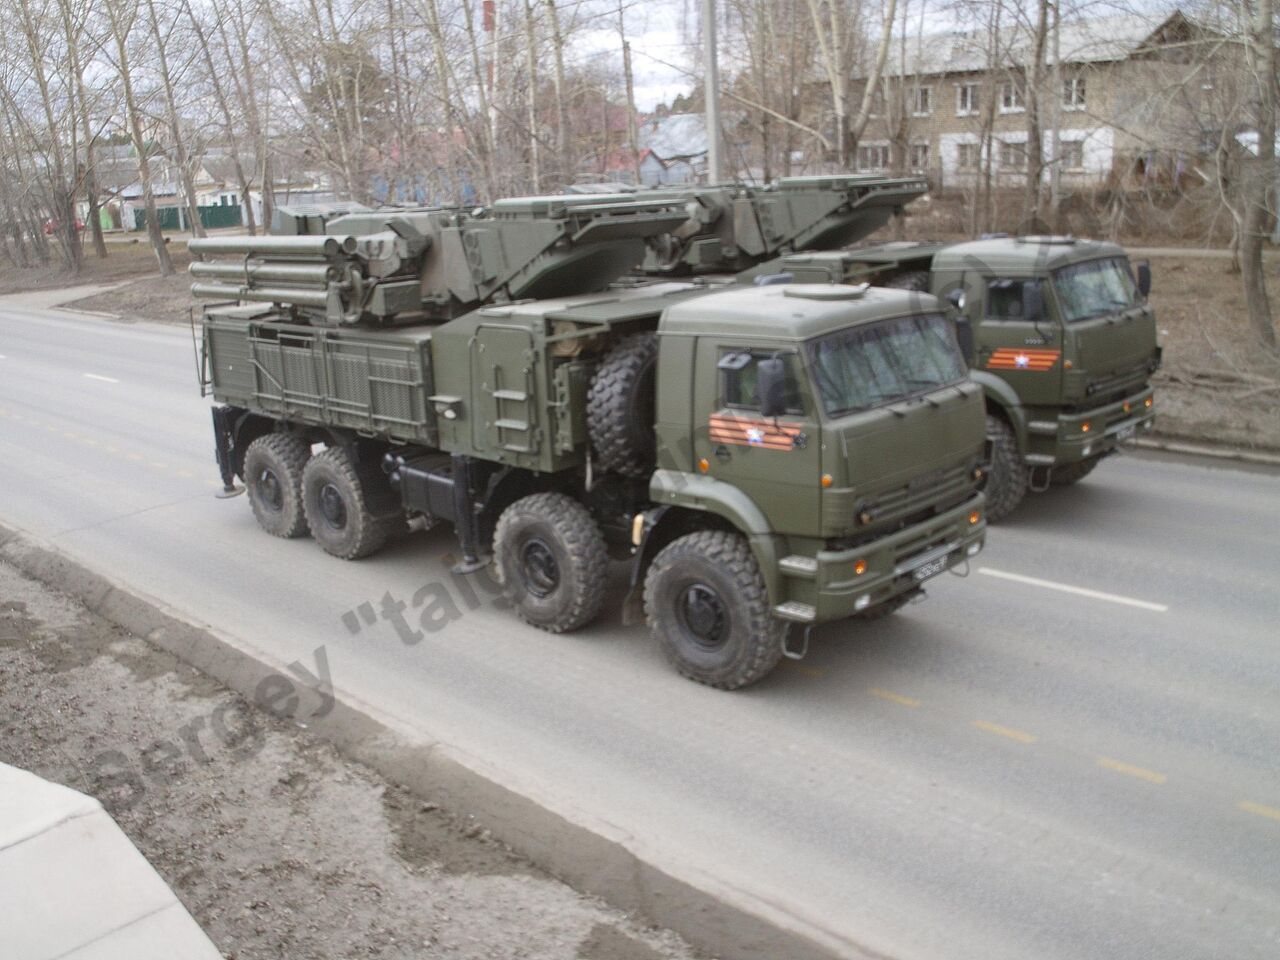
(276, 844)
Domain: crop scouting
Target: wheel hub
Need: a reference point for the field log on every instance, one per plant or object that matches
(538, 564)
(703, 615)
(271, 490)
(333, 507)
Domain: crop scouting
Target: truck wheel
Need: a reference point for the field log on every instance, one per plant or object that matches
(911, 280)
(273, 467)
(707, 605)
(553, 561)
(1069, 473)
(620, 406)
(1007, 478)
(337, 494)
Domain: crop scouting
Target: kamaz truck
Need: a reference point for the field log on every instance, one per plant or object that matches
(763, 456)
(1061, 339)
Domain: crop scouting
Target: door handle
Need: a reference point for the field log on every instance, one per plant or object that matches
(722, 453)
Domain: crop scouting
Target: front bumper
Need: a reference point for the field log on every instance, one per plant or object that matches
(827, 587)
(1064, 439)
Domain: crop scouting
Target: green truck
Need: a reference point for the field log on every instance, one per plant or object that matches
(1061, 339)
(764, 456)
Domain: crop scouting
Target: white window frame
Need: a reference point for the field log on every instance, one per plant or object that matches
(1020, 145)
(1015, 94)
(876, 145)
(973, 108)
(1079, 92)
(928, 151)
(915, 101)
(977, 157)
(1062, 147)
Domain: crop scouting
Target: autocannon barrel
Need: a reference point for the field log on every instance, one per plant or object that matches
(310, 273)
(293, 295)
(321, 246)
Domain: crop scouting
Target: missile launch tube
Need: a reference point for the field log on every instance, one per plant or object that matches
(292, 295)
(313, 273)
(278, 246)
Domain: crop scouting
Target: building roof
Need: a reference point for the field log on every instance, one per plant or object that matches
(677, 136)
(1089, 40)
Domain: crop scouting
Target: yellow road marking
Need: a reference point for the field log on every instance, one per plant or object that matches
(1260, 809)
(1142, 773)
(1020, 735)
(134, 456)
(894, 697)
(158, 465)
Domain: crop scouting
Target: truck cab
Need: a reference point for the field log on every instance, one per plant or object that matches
(834, 428)
(1064, 347)
(1063, 343)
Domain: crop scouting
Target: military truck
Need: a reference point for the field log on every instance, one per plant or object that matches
(1063, 343)
(762, 456)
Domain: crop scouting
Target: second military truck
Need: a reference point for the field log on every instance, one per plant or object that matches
(1063, 344)
(763, 456)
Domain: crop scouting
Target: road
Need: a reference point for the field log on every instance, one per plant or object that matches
(1070, 753)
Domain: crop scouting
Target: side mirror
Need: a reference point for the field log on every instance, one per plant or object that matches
(956, 298)
(1144, 278)
(1032, 301)
(771, 386)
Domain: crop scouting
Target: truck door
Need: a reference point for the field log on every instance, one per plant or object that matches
(776, 462)
(505, 383)
(1018, 338)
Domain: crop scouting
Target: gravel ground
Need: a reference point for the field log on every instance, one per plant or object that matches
(277, 845)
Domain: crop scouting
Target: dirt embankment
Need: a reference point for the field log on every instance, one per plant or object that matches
(277, 845)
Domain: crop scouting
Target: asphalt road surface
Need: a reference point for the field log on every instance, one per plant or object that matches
(1074, 752)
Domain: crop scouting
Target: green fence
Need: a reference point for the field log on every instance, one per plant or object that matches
(175, 218)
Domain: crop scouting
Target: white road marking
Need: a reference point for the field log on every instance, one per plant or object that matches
(1078, 591)
(95, 376)
(2, 356)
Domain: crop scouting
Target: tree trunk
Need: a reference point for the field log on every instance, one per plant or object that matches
(1035, 135)
(180, 157)
(120, 31)
(1262, 178)
(562, 112)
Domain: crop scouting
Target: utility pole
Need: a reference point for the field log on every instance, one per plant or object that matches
(1055, 172)
(712, 91)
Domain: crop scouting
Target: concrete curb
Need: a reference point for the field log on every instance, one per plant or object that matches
(590, 855)
(1208, 452)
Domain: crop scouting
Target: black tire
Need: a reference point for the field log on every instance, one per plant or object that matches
(620, 406)
(708, 607)
(1069, 473)
(349, 507)
(912, 280)
(552, 560)
(1007, 475)
(273, 467)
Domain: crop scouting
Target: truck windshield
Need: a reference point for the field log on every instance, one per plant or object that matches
(1094, 288)
(885, 362)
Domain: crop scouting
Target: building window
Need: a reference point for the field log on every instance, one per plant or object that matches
(966, 99)
(873, 156)
(1011, 97)
(1013, 156)
(919, 157)
(1073, 93)
(921, 101)
(967, 156)
(1072, 154)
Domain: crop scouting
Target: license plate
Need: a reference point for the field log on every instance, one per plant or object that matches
(930, 569)
(1127, 433)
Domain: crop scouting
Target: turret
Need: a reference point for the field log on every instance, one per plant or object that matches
(734, 228)
(400, 266)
